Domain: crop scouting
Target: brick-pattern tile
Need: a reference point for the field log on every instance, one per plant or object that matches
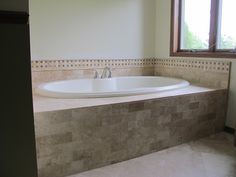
(77, 140)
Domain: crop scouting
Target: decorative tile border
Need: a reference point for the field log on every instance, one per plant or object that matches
(197, 64)
(46, 65)
(187, 63)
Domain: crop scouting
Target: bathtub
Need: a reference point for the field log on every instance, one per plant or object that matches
(109, 87)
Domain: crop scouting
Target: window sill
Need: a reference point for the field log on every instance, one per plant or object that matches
(204, 54)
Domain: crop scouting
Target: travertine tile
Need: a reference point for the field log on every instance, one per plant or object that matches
(92, 137)
(199, 72)
(209, 73)
(136, 106)
(54, 139)
(39, 77)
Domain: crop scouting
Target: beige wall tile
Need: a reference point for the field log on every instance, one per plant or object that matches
(96, 136)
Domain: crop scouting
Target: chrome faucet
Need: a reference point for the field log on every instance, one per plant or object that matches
(106, 73)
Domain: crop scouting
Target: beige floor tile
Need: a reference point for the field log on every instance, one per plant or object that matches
(219, 165)
(213, 156)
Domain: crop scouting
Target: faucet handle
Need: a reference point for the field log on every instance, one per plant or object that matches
(106, 73)
(96, 75)
(109, 75)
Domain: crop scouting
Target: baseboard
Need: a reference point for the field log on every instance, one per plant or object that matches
(229, 130)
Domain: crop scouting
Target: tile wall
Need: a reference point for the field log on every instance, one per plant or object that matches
(76, 140)
(51, 70)
(204, 72)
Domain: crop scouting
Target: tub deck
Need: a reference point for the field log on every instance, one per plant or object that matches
(44, 104)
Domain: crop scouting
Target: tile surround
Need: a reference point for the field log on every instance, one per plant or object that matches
(47, 76)
(76, 140)
(208, 73)
(204, 72)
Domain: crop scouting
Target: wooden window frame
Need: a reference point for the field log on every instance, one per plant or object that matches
(176, 30)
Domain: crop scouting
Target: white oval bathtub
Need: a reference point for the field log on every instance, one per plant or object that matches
(117, 86)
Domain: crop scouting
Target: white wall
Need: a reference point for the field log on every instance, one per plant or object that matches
(14, 5)
(79, 29)
(163, 16)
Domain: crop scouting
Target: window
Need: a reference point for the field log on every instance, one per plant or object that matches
(203, 28)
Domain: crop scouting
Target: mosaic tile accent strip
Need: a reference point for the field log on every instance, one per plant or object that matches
(196, 64)
(76, 140)
(191, 63)
(46, 65)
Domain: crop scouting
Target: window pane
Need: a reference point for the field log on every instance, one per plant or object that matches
(227, 26)
(195, 24)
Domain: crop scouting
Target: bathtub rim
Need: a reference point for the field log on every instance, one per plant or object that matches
(41, 91)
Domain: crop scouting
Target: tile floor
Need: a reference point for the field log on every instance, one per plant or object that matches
(214, 156)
